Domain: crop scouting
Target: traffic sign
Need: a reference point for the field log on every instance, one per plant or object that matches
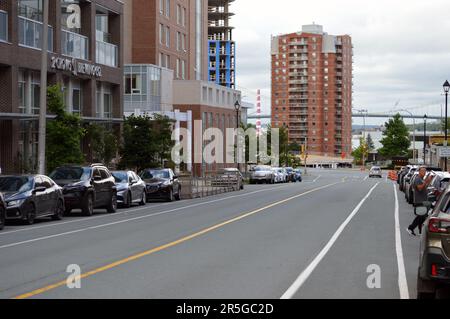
(444, 152)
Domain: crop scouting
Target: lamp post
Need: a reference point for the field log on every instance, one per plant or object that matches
(446, 90)
(364, 113)
(425, 117)
(237, 107)
(43, 91)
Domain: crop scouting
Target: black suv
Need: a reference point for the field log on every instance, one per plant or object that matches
(87, 187)
(2, 212)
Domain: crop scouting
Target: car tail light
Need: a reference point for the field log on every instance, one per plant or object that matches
(437, 225)
(434, 271)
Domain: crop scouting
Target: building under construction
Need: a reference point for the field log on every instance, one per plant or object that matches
(221, 44)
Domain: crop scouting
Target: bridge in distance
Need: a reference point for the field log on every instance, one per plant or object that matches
(358, 115)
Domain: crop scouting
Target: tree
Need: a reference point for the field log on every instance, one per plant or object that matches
(64, 133)
(361, 152)
(370, 143)
(147, 142)
(396, 138)
(103, 143)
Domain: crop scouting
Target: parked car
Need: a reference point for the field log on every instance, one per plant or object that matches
(281, 175)
(439, 184)
(408, 177)
(161, 184)
(375, 172)
(409, 188)
(229, 177)
(298, 175)
(434, 265)
(131, 189)
(262, 174)
(2, 212)
(291, 174)
(87, 188)
(278, 176)
(29, 197)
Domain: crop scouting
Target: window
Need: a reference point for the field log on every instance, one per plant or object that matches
(3, 26)
(22, 92)
(161, 33)
(167, 36)
(161, 6)
(168, 8)
(76, 101)
(133, 84)
(107, 100)
(183, 69)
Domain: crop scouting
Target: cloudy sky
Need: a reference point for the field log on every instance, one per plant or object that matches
(401, 48)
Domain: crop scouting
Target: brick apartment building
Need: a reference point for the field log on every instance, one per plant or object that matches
(312, 84)
(86, 62)
(166, 68)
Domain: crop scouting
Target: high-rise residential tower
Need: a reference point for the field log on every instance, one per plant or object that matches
(312, 84)
(221, 44)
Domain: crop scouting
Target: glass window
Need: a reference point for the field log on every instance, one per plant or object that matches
(3, 26)
(107, 100)
(76, 101)
(31, 9)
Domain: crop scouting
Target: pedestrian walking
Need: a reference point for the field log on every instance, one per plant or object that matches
(420, 188)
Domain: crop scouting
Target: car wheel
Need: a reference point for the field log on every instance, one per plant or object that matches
(170, 196)
(112, 207)
(88, 205)
(178, 195)
(59, 211)
(2, 218)
(31, 215)
(143, 199)
(129, 200)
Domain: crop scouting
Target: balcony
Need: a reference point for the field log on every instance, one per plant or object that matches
(107, 54)
(74, 45)
(3, 26)
(30, 34)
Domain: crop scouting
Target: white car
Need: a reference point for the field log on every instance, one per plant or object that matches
(281, 175)
(375, 172)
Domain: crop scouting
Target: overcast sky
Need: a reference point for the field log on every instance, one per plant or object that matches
(401, 48)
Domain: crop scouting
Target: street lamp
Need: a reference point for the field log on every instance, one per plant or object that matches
(446, 90)
(425, 117)
(237, 107)
(43, 91)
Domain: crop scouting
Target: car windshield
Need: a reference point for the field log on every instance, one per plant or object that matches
(71, 173)
(261, 169)
(16, 184)
(163, 174)
(120, 177)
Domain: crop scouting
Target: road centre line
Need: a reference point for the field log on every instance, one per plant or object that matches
(169, 245)
(298, 283)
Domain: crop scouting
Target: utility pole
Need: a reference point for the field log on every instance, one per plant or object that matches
(43, 91)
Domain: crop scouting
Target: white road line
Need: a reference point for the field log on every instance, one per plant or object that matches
(402, 281)
(318, 177)
(290, 293)
(131, 211)
(366, 178)
(129, 220)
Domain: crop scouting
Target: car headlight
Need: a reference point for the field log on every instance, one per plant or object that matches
(166, 183)
(14, 203)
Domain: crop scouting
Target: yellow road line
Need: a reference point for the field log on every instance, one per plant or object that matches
(166, 246)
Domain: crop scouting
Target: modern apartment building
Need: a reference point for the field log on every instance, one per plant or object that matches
(222, 48)
(168, 33)
(85, 58)
(312, 80)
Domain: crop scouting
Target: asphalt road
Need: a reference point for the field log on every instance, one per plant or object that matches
(319, 239)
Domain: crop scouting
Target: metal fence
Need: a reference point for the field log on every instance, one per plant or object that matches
(198, 187)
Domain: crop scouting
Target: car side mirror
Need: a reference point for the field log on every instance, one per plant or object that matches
(175, 176)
